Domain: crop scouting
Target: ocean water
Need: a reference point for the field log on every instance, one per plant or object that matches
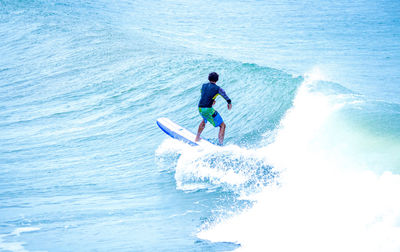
(312, 154)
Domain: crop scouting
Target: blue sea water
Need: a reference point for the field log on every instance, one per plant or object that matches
(312, 155)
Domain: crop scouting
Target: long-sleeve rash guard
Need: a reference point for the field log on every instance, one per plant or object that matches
(210, 91)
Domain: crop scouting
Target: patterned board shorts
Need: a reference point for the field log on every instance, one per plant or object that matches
(211, 115)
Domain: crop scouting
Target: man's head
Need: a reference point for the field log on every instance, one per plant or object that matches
(213, 77)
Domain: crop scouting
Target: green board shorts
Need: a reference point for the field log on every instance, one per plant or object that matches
(211, 115)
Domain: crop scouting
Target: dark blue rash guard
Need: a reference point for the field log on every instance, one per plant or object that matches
(210, 91)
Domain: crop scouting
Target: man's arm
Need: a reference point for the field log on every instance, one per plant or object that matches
(226, 97)
(223, 94)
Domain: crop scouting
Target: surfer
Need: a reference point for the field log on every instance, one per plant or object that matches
(209, 92)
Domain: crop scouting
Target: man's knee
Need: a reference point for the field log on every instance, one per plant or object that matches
(222, 125)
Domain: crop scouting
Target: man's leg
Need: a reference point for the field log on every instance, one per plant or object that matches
(221, 134)
(201, 128)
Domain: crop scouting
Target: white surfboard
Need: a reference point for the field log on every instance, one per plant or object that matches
(178, 132)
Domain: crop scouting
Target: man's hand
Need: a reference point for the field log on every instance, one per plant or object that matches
(229, 106)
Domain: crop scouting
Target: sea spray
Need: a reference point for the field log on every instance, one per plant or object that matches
(230, 168)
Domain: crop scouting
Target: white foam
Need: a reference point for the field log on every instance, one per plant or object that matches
(338, 216)
(18, 231)
(196, 168)
(322, 203)
(15, 246)
(11, 246)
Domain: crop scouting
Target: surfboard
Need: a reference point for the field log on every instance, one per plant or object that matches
(178, 132)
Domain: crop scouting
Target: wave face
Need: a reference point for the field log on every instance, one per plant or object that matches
(261, 96)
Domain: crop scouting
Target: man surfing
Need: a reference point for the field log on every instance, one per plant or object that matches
(209, 92)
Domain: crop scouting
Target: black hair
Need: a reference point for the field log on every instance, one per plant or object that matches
(213, 77)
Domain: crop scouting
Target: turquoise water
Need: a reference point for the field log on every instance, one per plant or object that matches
(311, 161)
